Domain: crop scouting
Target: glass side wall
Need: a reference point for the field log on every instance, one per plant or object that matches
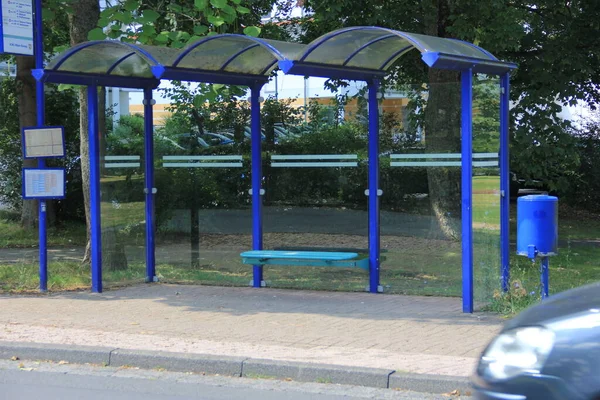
(202, 164)
(421, 183)
(122, 196)
(486, 187)
(315, 178)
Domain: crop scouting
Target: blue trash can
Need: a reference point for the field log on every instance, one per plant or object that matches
(537, 225)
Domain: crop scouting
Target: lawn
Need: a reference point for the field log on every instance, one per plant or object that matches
(413, 265)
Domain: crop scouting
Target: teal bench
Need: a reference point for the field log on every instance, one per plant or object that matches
(306, 258)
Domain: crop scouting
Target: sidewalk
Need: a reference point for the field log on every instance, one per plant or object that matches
(409, 334)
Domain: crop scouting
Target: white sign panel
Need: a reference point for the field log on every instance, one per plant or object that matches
(16, 29)
(43, 142)
(43, 183)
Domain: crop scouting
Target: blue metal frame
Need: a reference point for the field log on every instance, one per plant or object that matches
(330, 71)
(504, 183)
(74, 78)
(374, 229)
(149, 185)
(467, 188)
(96, 230)
(457, 63)
(40, 116)
(24, 145)
(222, 77)
(545, 278)
(23, 186)
(256, 176)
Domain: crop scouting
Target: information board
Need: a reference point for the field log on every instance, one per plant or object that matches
(43, 183)
(48, 141)
(16, 27)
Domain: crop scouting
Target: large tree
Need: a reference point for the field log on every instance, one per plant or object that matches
(552, 41)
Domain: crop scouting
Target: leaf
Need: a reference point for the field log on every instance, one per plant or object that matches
(237, 2)
(216, 20)
(201, 4)
(149, 16)
(131, 5)
(243, 10)
(96, 34)
(253, 31)
(200, 30)
(218, 3)
(162, 38)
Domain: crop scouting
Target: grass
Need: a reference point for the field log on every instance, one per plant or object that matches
(414, 266)
(14, 236)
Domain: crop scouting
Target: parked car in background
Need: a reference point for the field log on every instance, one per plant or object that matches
(548, 352)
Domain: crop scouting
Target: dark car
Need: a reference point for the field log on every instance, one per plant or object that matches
(550, 351)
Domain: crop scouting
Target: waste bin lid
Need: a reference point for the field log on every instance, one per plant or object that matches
(538, 197)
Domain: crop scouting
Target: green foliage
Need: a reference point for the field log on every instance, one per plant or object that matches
(177, 24)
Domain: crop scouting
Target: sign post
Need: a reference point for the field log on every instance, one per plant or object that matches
(16, 27)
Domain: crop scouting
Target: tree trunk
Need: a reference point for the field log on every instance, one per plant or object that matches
(442, 130)
(27, 117)
(83, 19)
(442, 135)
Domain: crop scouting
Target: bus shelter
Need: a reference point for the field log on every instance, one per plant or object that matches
(355, 53)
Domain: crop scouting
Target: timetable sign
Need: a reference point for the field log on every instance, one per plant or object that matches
(16, 27)
(44, 142)
(43, 183)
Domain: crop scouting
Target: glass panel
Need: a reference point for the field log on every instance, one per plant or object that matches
(432, 43)
(122, 200)
(336, 49)
(420, 178)
(212, 54)
(289, 50)
(254, 61)
(377, 54)
(133, 66)
(202, 205)
(315, 180)
(94, 59)
(486, 187)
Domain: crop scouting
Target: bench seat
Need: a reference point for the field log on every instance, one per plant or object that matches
(305, 258)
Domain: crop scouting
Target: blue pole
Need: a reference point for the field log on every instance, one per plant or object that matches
(545, 278)
(467, 201)
(40, 111)
(374, 239)
(504, 183)
(149, 183)
(257, 225)
(94, 143)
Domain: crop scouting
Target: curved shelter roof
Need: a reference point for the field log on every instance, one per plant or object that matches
(368, 49)
(360, 53)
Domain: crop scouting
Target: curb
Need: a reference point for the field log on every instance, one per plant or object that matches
(236, 367)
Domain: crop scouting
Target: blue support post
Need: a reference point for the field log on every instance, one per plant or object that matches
(467, 200)
(149, 185)
(545, 281)
(96, 229)
(504, 183)
(374, 233)
(256, 160)
(40, 111)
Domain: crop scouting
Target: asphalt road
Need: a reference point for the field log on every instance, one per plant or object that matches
(28, 381)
